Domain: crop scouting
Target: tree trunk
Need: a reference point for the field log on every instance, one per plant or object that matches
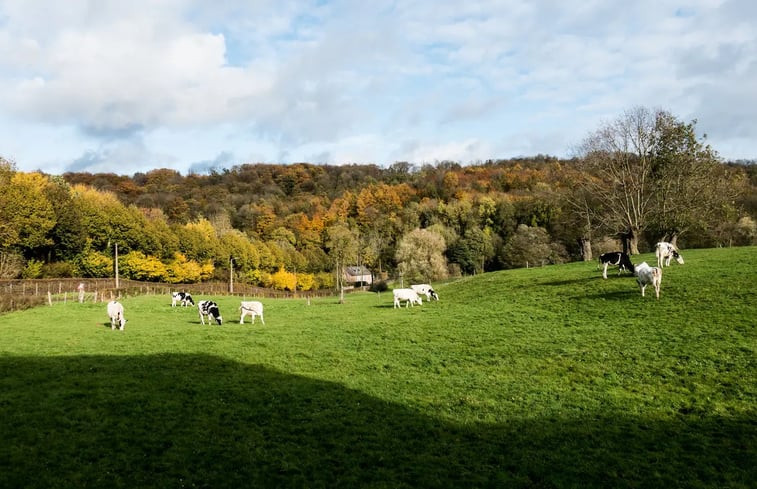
(585, 248)
(630, 240)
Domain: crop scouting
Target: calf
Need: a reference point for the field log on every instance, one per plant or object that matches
(664, 251)
(209, 309)
(622, 260)
(181, 297)
(408, 295)
(253, 308)
(116, 315)
(646, 275)
(425, 289)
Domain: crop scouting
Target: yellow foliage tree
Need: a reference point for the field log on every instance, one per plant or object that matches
(283, 280)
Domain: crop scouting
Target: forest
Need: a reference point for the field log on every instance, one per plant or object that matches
(294, 226)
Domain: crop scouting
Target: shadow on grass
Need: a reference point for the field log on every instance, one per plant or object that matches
(203, 421)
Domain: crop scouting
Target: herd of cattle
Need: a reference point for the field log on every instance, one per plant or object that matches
(209, 309)
(645, 274)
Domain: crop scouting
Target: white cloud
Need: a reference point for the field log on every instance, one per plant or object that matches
(363, 81)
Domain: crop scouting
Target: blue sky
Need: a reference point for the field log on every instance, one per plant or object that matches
(124, 87)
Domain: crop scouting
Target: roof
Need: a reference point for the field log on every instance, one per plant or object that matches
(354, 271)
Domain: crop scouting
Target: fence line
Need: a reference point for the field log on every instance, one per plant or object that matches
(22, 294)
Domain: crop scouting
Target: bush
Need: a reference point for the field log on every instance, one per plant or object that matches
(283, 280)
(60, 269)
(11, 265)
(305, 281)
(95, 264)
(380, 286)
(33, 269)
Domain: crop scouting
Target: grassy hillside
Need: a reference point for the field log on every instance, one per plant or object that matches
(547, 377)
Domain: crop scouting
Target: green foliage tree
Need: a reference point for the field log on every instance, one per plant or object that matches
(420, 256)
(690, 186)
(26, 214)
(529, 246)
(343, 249)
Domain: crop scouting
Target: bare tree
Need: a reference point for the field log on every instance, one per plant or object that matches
(618, 155)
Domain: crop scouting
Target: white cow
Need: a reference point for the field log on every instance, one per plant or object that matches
(408, 295)
(425, 289)
(664, 252)
(253, 308)
(646, 275)
(116, 315)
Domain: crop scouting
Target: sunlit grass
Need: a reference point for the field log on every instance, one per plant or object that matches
(540, 377)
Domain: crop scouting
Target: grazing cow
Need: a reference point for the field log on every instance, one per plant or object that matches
(210, 309)
(253, 308)
(646, 275)
(425, 289)
(181, 297)
(116, 315)
(664, 251)
(622, 260)
(408, 295)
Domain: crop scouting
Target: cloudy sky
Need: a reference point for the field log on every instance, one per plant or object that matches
(128, 86)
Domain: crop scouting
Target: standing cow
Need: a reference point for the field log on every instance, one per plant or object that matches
(116, 315)
(253, 308)
(408, 295)
(646, 275)
(209, 309)
(664, 251)
(622, 260)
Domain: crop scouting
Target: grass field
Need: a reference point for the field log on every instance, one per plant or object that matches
(546, 377)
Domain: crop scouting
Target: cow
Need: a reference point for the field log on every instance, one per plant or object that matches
(622, 260)
(209, 309)
(253, 308)
(408, 295)
(425, 289)
(664, 251)
(646, 275)
(116, 315)
(181, 297)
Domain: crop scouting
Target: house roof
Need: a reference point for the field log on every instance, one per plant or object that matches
(354, 270)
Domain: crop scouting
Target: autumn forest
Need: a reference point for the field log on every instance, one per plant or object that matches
(292, 226)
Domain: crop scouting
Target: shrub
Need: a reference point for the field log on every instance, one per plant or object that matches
(95, 264)
(60, 269)
(283, 280)
(380, 286)
(305, 281)
(11, 265)
(33, 269)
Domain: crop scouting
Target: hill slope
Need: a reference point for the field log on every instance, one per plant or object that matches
(546, 377)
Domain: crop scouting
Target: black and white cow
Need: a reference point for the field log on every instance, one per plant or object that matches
(181, 297)
(664, 251)
(622, 260)
(209, 309)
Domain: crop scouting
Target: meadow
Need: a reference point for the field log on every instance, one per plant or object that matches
(543, 377)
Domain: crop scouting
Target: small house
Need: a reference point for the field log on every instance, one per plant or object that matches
(357, 276)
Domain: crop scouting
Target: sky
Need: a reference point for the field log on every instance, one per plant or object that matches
(129, 86)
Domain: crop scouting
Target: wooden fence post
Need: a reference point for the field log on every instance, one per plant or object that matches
(49, 298)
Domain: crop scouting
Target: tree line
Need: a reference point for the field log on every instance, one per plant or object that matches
(643, 177)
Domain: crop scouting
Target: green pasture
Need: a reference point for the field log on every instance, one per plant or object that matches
(545, 377)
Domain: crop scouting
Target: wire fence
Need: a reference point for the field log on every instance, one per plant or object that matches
(23, 294)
